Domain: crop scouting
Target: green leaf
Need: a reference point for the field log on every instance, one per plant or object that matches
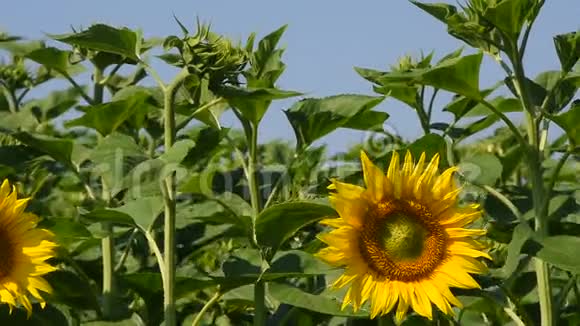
(107, 117)
(460, 105)
(509, 16)
(54, 104)
(481, 169)
(314, 118)
(105, 38)
(66, 230)
(322, 303)
(253, 102)
(57, 148)
(142, 210)
(114, 157)
(278, 223)
(109, 216)
(367, 120)
(266, 64)
(560, 90)
(71, 290)
(429, 144)
(41, 316)
(560, 251)
(19, 48)
(207, 142)
(568, 49)
(51, 58)
(569, 122)
(460, 75)
(145, 178)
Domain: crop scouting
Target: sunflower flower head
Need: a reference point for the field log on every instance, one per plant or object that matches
(24, 250)
(403, 239)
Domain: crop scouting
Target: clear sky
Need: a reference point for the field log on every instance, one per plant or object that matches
(324, 41)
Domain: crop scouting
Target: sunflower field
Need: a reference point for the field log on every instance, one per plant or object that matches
(125, 201)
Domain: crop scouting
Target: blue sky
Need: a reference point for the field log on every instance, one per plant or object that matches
(324, 41)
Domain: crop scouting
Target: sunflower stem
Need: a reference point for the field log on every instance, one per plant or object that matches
(169, 200)
(107, 243)
(537, 183)
(259, 302)
(260, 286)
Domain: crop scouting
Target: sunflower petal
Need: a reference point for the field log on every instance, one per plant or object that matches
(374, 178)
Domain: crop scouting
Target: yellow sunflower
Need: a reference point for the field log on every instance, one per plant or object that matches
(24, 250)
(403, 238)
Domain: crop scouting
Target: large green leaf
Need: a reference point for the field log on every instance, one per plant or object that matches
(66, 230)
(114, 157)
(569, 121)
(322, 303)
(560, 251)
(460, 75)
(145, 178)
(314, 118)
(509, 16)
(57, 148)
(483, 169)
(107, 117)
(277, 223)
(105, 38)
(253, 102)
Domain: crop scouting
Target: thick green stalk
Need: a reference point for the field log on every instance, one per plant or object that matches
(259, 302)
(538, 191)
(169, 200)
(260, 286)
(107, 243)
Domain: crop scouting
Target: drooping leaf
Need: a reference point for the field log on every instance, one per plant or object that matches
(52, 58)
(107, 117)
(277, 223)
(314, 118)
(57, 148)
(253, 102)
